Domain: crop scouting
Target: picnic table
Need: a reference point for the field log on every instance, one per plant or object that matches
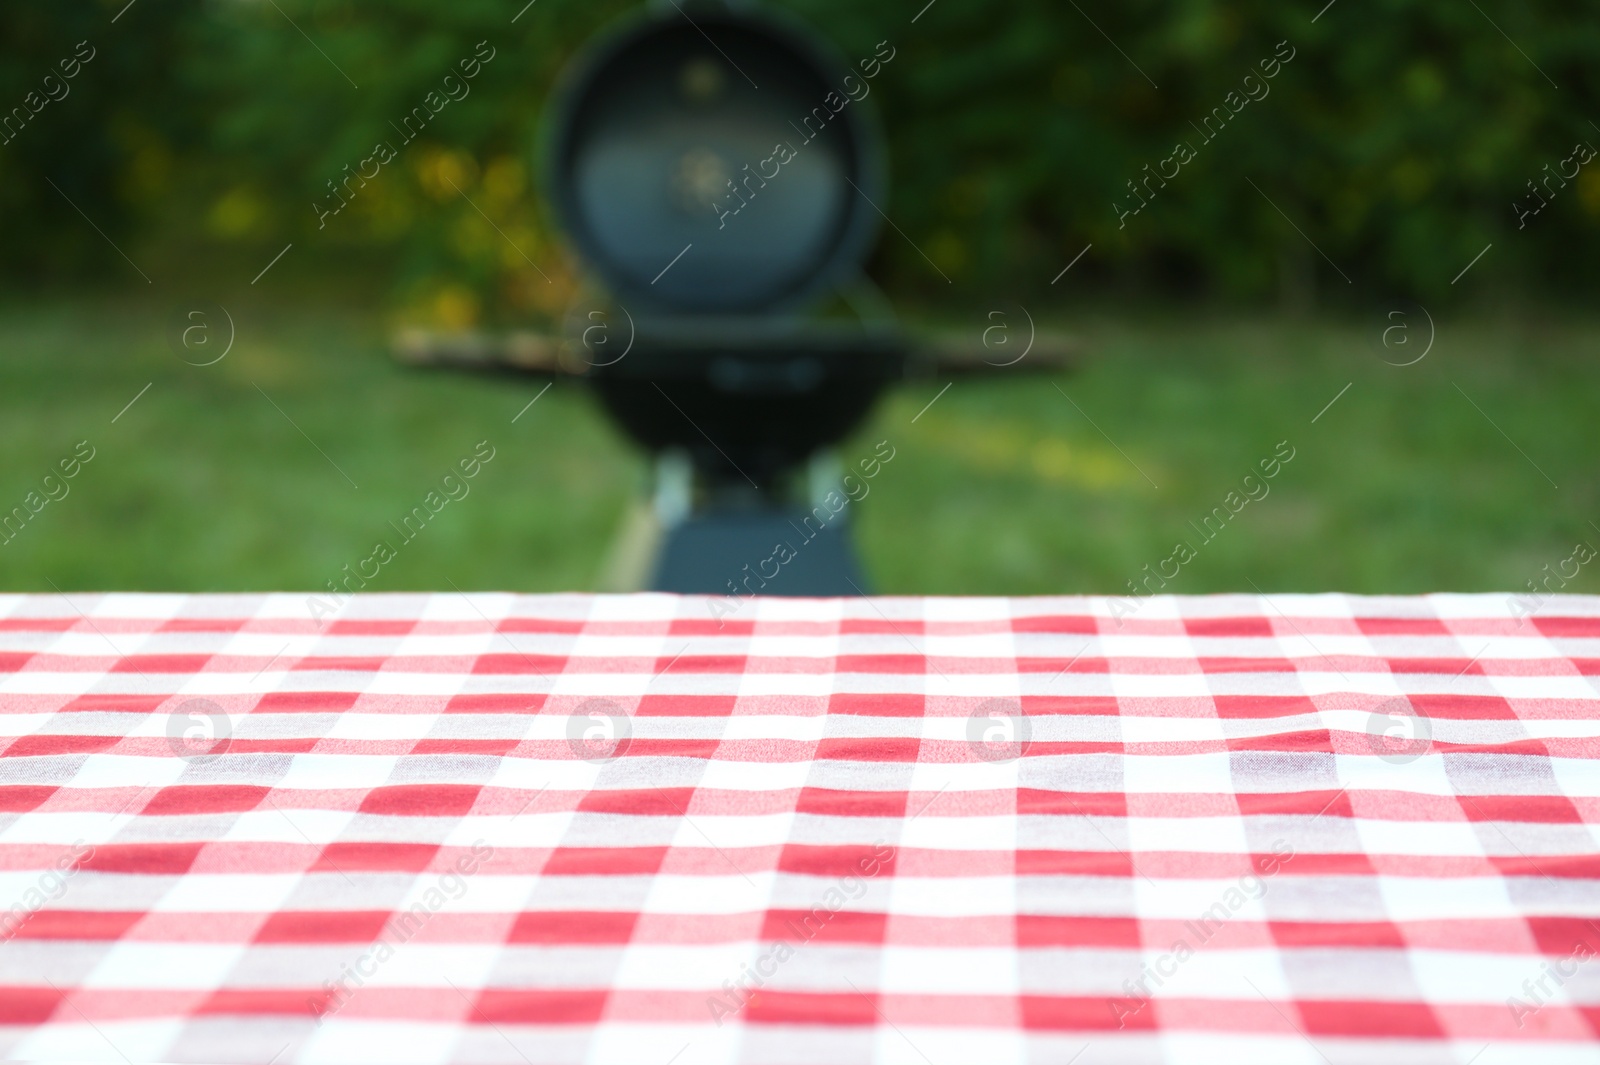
(630, 829)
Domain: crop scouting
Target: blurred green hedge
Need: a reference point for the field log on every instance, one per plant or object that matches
(1398, 137)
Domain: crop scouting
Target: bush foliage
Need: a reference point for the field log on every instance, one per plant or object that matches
(1393, 144)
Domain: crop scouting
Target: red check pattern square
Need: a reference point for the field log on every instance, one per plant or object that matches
(625, 829)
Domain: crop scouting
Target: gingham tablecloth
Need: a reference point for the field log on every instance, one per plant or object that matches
(618, 829)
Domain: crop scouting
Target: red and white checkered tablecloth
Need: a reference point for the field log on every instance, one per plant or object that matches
(618, 829)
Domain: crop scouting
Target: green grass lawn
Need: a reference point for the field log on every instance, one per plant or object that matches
(1002, 486)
